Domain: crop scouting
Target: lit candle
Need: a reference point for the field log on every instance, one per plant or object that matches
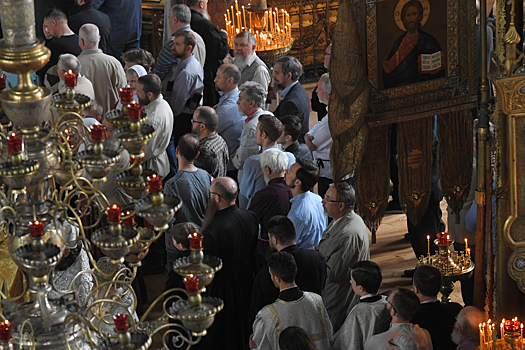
(5, 330)
(428, 244)
(521, 331)
(128, 218)
(121, 322)
(2, 81)
(14, 143)
(195, 240)
(468, 255)
(154, 183)
(70, 79)
(192, 283)
(36, 228)
(244, 18)
(134, 110)
(98, 132)
(126, 94)
(113, 213)
(480, 337)
(466, 243)
(502, 329)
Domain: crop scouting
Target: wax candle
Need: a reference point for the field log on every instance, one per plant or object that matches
(98, 132)
(428, 244)
(5, 330)
(113, 213)
(14, 143)
(134, 110)
(154, 183)
(192, 283)
(126, 94)
(36, 228)
(121, 322)
(195, 240)
(502, 328)
(70, 78)
(466, 243)
(128, 218)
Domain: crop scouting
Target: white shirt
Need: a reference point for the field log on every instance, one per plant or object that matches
(323, 141)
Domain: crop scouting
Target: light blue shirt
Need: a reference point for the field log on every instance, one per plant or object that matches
(252, 178)
(188, 79)
(307, 215)
(285, 90)
(230, 122)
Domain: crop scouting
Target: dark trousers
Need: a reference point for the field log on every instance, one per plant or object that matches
(181, 126)
(430, 224)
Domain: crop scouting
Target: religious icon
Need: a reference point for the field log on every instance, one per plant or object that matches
(416, 55)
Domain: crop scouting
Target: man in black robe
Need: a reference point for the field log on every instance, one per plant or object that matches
(403, 65)
(230, 234)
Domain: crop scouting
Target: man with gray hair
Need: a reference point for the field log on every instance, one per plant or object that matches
(412, 337)
(466, 329)
(344, 243)
(70, 62)
(252, 98)
(251, 66)
(294, 99)
(104, 71)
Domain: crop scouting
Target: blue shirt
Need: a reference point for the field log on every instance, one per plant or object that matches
(252, 179)
(307, 215)
(230, 122)
(165, 60)
(285, 91)
(188, 79)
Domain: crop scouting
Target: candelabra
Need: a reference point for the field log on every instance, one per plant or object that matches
(453, 265)
(511, 335)
(51, 175)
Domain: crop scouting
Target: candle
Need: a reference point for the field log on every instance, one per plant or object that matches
(134, 110)
(126, 94)
(121, 322)
(98, 132)
(428, 244)
(5, 330)
(192, 283)
(36, 228)
(468, 255)
(244, 18)
(70, 79)
(195, 240)
(113, 213)
(2, 81)
(154, 183)
(128, 218)
(14, 143)
(521, 331)
(502, 329)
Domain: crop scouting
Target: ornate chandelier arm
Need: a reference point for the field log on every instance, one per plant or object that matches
(160, 298)
(72, 316)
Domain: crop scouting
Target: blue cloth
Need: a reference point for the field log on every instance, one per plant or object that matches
(12, 79)
(285, 90)
(165, 60)
(252, 179)
(307, 215)
(230, 122)
(188, 79)
(126, 24)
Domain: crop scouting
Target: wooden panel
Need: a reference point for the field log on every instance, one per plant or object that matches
(152, 26)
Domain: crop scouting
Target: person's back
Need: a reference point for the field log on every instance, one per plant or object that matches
(87, 13)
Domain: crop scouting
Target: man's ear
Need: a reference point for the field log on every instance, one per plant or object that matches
(297, 182)
(267, 170)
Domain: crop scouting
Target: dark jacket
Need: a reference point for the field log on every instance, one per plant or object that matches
(296, 102)
(88, 14)
(300, 150)
(217, 48)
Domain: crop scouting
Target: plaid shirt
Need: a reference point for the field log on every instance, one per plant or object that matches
(217, 144)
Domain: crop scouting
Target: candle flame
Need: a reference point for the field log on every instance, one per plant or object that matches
(70, 71)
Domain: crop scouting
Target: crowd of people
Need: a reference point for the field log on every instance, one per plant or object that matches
(258, 184)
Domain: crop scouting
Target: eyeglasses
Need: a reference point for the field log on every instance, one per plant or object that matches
(326, 54)
(331, 200)
(210, 193)
(196, 121)
(392, 305)
(391, 342)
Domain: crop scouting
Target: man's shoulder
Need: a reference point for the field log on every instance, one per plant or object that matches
(252, 161)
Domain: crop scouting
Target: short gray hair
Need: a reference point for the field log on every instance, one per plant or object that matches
(327, 86)
(274, 159)
(89, 33)
(246, 34)
(290, 64)
(345, 194)
(413, 337)
(182, 12)
(254, 92)
(68, 61)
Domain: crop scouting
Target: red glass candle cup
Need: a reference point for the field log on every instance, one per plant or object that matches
(154, 183)
(14, 143)
(126, 94)
(36, 228)
(98, 132)
(5, 330)
(192, 284)
(134, 110)
(512, 326)
(68, 137)
(113, 213)
(2, 81)
(148, 225)
(132, 159)
(70, 78)
(121, 322)
(442, 238)
(130, 220)
(195, 240)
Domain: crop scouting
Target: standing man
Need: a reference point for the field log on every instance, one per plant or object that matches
(293, 308)
(84, 86)
(294, 99)
(307, 212)
(230, 122)
(250, 104)
(344, 243)
(104, 71)
(291, 130)
(466, 329)
(216, 46)
(161, 118)
(205, 122)
(231, 235)
(252, 181)
(87, 13)
(251, 66)
(187, 86)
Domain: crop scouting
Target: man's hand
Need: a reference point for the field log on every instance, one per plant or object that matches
(233, 155)
(308, 140)
(252, 344)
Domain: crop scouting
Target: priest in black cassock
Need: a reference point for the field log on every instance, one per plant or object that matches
(230, 234)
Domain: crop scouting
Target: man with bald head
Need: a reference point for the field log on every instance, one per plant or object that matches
(230, 234)
(104, 71)
(466, 330)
